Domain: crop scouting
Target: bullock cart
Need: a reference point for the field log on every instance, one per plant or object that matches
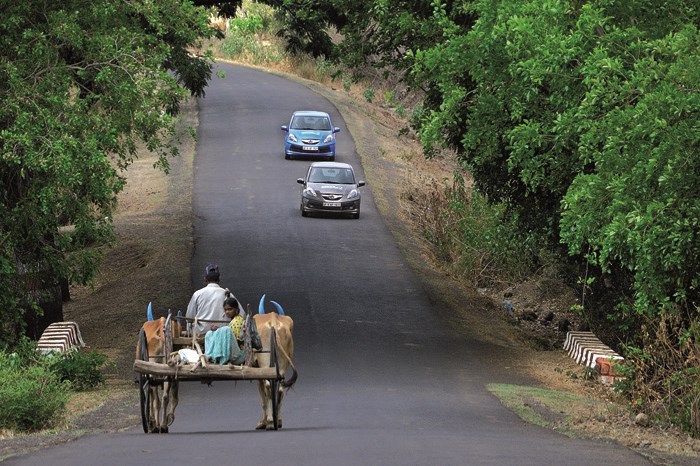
(160, 372)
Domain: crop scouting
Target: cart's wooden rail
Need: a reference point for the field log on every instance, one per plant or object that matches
(210, 372)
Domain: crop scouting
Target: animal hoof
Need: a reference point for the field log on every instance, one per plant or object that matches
(260, 426)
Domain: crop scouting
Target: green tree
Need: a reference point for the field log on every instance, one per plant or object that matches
(638, 208)
(582, 118)
(82, 84)
(307, 25)
(373, 33)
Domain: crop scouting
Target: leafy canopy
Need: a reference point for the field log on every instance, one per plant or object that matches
(82, 83)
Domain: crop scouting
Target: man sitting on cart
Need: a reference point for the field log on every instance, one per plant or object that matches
(208, 303)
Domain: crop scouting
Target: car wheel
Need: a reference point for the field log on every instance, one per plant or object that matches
(356, 215)
(287, 156)
(332, 158)
(303, 212)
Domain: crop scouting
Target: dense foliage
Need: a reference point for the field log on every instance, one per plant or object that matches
(357, 34)
(583, 118)
(82, 84)
(32, 398)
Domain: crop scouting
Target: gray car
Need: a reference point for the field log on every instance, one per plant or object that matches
(330, 187)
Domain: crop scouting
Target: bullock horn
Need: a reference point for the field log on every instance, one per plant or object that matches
(261, 306)
(280, 311)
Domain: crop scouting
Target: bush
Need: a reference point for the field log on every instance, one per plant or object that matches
(233, 46)
(262, 14)
(249, 40)
(662, 375)
(415, 119)
(241, 36)
(31, 397)
(247, 26)
(34, 388)
(325, 69)
(22, 355)
(470, 235)
(82, 370)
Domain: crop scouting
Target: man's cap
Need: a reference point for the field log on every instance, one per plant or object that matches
(211, 270)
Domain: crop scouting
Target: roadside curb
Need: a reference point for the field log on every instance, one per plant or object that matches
(585, 348)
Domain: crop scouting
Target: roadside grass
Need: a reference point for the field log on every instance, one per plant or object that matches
(553, 409)
(81, 403)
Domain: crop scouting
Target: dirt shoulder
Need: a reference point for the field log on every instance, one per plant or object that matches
(151, 260)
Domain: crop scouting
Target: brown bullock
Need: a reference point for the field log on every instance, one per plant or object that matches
(283, 326)
(163, 393)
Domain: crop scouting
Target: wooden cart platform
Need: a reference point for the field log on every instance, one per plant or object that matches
(211, 372)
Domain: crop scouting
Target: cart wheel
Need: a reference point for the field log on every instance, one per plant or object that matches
(144, 385)
(274, 383)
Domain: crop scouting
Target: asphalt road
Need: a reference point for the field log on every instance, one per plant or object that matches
(382, 380)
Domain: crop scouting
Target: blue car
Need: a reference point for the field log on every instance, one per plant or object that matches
(310, 134)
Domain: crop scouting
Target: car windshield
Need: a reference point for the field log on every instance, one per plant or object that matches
(311, 123)
(331, 175)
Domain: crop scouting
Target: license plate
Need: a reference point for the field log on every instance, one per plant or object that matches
(331, 204)
(311, 148)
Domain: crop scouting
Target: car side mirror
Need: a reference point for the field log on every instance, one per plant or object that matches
(284, 128)
(300, 180)
(336, 130)
(360, 183)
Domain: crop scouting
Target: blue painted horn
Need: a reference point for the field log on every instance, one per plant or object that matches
(261, 306)
(280, 311)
